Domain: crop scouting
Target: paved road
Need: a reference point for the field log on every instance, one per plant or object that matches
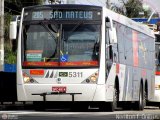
(147, 114)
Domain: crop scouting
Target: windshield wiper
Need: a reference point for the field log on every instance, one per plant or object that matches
(48, 29)
(75, 28)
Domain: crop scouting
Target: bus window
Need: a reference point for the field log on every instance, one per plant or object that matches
(81, 43)
(39, 44)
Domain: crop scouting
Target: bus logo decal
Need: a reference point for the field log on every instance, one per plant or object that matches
(49, 74)
(143, 49)
(63, 74)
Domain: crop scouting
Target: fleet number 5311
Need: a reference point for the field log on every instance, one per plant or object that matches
(75, 74)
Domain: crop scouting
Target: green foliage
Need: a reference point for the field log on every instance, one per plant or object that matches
(23, 3)
(9, 55)
(131, 9)
(7, 18)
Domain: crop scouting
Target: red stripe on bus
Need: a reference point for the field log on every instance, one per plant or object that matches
(33, 51)
(80, 63)
(135, 47)
(47, 64)
(117, 68)
(51, 64)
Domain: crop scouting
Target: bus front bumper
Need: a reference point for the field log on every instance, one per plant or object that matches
(74, 92)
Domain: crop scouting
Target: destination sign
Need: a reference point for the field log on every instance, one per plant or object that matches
(62, 15)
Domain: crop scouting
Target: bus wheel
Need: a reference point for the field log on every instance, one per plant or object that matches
(140, 104)
(38, 106)
(115, 99)
(145, 98)
(110, 106)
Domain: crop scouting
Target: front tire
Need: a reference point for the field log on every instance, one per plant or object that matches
(111, 106)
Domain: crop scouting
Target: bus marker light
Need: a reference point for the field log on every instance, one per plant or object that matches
(117, 68)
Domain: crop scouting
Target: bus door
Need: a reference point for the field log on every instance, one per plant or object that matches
(111, 45)
(109, 51)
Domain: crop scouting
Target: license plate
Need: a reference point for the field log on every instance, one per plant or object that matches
(59, 89)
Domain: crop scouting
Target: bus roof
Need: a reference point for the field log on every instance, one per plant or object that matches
(128, 22)
(115, 16)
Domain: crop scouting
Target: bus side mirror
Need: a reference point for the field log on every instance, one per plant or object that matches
(108, 23)
(13, 30)
(112, 30)
(113, 36)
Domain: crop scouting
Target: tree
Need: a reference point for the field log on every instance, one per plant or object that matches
(13, 7)
(131, 9)
(23, 3)
(134, 7)
(54, 1)
(117, 9)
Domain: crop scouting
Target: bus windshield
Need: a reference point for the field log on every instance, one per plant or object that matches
(59, 45)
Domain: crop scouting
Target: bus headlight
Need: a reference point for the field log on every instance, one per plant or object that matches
(157, 86)
(28, 79)
(92, 79)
